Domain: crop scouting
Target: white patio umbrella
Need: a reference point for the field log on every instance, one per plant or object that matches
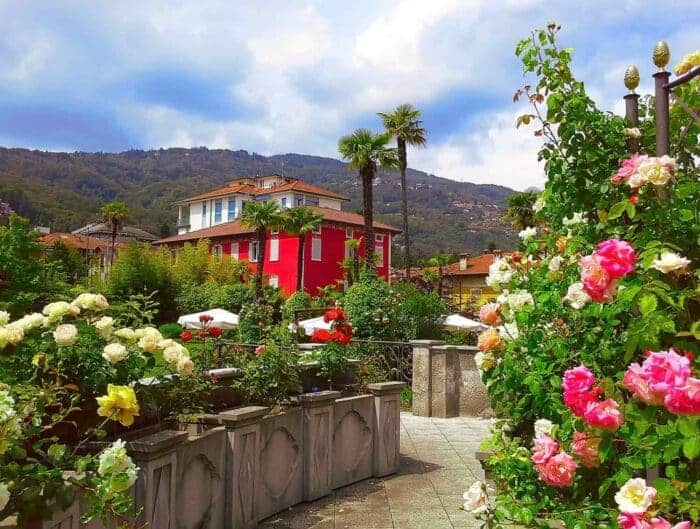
(311, 325)
(460, 323)
(221, 318)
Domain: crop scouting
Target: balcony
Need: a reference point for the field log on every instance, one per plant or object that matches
(183, 223)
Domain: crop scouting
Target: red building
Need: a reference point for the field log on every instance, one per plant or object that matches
(215, 216)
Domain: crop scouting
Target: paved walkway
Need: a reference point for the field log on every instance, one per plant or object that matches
(437, 465)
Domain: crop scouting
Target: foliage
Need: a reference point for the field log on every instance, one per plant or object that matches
(255, 320)
(170, 330)
(261, 217)
(568, 321)
(519, 209)
(332, 360)
(69, 261)
(301, 221)
(272, 376)
(371, 307)
(418, 315)
(192, 264)
(298, 300)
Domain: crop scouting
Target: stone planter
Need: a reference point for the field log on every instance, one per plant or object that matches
(240, 466)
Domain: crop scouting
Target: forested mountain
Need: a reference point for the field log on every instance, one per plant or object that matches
(65, 190)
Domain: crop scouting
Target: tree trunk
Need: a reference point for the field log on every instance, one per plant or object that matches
(367, 174)
(300, 262)
(401, 144)
(114, 240)
(262, 236)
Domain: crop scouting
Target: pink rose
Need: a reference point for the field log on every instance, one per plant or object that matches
(684, 400)
(616, 257)
(605, 415)
(543, 448)
(636, 380)
(558, 471)
(585, 446)
(627, 168)
(597, 283)
(578, 402)
(662, 523)
(578, 379)
(489, 314)
(629, 520)
(666, 370)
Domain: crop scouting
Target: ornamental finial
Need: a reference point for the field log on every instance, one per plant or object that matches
(661, 55)
(631, 78)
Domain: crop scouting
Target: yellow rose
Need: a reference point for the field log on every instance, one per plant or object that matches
(119, 404)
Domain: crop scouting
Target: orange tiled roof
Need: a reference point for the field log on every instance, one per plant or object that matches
(477, 265)
(239, 188)
(81, 242)
(235, 227)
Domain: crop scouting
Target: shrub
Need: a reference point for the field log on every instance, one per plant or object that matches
(170, 330)
(418, 314)
(298, 300)
(271, 376)
(69, 260)
(371, 306)
(192, 263)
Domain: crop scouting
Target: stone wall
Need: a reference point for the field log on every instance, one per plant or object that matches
(235, 468)
(446, 382)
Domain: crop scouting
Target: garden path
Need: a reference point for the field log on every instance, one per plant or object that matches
(437, 465)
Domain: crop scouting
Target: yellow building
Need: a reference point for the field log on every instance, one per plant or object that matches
(465, 282)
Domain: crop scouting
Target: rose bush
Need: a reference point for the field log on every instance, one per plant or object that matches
(607, 352)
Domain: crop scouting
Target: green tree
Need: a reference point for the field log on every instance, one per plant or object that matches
(70, 260)
(366, 151)
(439, 261)
(404, 124)
(261, 216)
(519, 209)
(114, 214)
(301, 221)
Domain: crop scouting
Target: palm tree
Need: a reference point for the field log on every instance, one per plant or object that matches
(301, 221)
(440, 260)
(261, 216)
(519, 209)
(404, 124)
(114, 214)
(366, 151)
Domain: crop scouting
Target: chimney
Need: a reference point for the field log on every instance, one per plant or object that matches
(498, 253)
(463, 260)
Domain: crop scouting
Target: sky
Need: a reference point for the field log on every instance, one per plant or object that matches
(293, 76)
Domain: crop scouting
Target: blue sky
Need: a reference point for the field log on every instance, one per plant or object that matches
(296, 75)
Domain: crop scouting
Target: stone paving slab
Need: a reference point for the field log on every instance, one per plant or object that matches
(437, 465)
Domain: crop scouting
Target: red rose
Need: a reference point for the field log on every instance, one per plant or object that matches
(215, 332)
(186, 336)
(339, 337)
(332, 315)
(345, 329)
(320, 336)
(205, 318)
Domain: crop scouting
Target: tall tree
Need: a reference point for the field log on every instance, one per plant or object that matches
(261, 216)
(366, 151)
(114, 214)
(519, 209)
(439, 261)
(404, 124)
(301, 221)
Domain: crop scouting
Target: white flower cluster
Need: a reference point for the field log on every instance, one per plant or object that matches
(485, 361)
(654, 170)
(117, 468)
(104, 326)
(670, 261)
(538, 205)
(500, 273)
(9, 427)
(476, 500)
(509, 331)
(149, 339)
(527, 233)
(512, 302)
(576, 218)
(576, 296)
(555, 263)
(543, 426)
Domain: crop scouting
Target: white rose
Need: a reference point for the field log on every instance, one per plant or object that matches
(577, 218)
(475, 499)
(125, 334)
(185, 366)
(3, 337)
(632, 132)
(173, 353)
(484, 361)
(543, 426)
(55, 311)
(4, 495)
(148, 343)
(148, 331)
(500, 273)
(635, 497)
(669, 261)
(4, 317)
(527, 233)
(100, 302)
(114, 352)
(509, 331)
(655, 170)
(168, 342)
(555, 263)
(576, 296)
(84, 301)
(13, 334)
(105, 322)
(36, 320)
(65, 334)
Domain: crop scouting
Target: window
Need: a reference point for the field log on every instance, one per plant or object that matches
(379, 237)
(349, 233)
(318, 231)
(234, 250)
(216, 250)
(231, 209)
(299, 201)
(204, 213)
(348, 250)
(273, 281)
(217, 211)
(311, 201)
(243, 203)
(379, 252)
(274, 249)
(316, 249)
(253, 252)
(283, 202)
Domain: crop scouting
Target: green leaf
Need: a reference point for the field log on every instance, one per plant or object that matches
(617, 210)
(648, 303)
(691, 447)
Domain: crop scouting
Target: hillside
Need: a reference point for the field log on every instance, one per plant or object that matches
(66, 190)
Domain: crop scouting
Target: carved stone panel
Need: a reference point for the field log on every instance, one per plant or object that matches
(317, 451)
(352, 440)
(281, 463)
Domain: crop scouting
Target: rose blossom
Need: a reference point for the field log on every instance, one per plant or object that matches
(576, 296)
(543, 448)
(669, 261)
(616, 257)
(65, 334)
(628, 520)
(558, 470)
(666, 370)
(627, 168)
(597, 283)
(475, 499)
(662, 523)
(578, 379)
(114, 352)
(489, 314)
(635, 496)
(684, 400)
(488, 339)
(578, 401)
(185, 366)
(637, 381)
(585, 446)
(605, 415)
(543, 426)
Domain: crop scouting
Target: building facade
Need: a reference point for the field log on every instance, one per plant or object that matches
(215, 216)
(465, 281)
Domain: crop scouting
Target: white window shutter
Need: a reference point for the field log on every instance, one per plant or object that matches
(274, 249)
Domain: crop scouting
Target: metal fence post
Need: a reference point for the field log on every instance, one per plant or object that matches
(661, 57)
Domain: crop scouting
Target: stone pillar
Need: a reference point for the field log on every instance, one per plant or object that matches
(387, 426)
(155, 489)
(444, 381)
(318, 440)
(242, 464)
(421, 385)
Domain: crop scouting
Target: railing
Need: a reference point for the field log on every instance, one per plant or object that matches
(397, 357)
